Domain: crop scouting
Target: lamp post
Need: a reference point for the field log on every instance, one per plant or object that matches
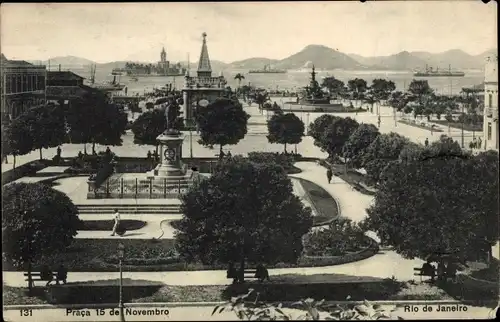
(121, 255)
(307, 124)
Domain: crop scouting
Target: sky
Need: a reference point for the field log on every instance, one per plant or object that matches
(105, 32)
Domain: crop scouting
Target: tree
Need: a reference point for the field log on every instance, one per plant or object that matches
(227, 218)
(285, 129)
(92, 119)
(239, 77)
(6, 148)
(336, 135)
(357, 87)
(36, 220)
(148, 126)
(358, 142)
(260, 98)
(19, 138)
(222, 122)
(443, 201)
(318, 127)
(385, 148)
(334, 86)
(46, 126)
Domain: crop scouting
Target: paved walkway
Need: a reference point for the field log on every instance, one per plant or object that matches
(386, 264)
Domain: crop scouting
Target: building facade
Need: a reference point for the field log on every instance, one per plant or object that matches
(22, 86)
(490, 121)
(202, 89)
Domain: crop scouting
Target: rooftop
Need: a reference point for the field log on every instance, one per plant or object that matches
(63, 75)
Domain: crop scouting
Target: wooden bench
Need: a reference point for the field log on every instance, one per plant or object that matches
(35, 276)
(418, 272)
(249, 273)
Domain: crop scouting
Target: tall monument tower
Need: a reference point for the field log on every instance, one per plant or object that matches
(204, 67)
(202, 89)
(490, 120)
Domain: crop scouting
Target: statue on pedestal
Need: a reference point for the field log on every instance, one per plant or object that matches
(169, 130)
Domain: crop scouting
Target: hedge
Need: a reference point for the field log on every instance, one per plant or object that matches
(108, 224)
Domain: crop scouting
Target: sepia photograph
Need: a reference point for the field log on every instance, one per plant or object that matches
(273, 160)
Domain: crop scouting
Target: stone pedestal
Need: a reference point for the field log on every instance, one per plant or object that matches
(170, 155)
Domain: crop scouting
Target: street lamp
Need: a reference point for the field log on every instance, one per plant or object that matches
(121, 255)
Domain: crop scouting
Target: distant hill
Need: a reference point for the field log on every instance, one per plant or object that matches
(458, 59)
(322, 57)
(67, 61)
(455, 57)
(400, 61)
(482, 57)
(253, 63)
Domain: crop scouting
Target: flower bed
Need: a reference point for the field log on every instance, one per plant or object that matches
(108, 224)
(325, 205)
(285, 160)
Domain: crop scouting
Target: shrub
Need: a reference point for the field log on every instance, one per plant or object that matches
(284, 160)
(340, 237)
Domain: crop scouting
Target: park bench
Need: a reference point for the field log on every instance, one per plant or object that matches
(418, 272)
(35, 276)
(249, 273)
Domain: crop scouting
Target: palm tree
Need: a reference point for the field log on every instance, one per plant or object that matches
(239, 77)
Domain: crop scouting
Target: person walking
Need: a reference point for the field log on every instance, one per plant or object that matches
(479, 143)
(329, 174)
(426, 142)
(117, 221)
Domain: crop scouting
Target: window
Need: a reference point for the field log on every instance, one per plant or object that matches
(490, 100)
(489, 131)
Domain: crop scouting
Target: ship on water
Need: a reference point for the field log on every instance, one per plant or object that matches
(267, 70)
(430, 72)
(162, 68)
(105, 86)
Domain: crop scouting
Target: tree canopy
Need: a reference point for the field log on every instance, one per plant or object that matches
(337, 133)
(47, 126)
(36, 220)
(385, 148)
(148, 126)
(333, 85)
(358, 142)
(438, 199)
(227, 218)
(222, 122)
(285, 129)
(92, 119)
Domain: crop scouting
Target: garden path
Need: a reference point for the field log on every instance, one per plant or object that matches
(385, 264)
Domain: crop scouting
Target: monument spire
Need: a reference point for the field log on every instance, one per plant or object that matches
(204, 68)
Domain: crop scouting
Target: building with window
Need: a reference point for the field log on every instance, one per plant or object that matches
(22, 86)
(202, 89)
(490, 123)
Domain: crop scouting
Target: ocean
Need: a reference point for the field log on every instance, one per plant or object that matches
(296, 79)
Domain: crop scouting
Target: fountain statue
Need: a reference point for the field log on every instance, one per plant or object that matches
(170, 150)
(314, 94)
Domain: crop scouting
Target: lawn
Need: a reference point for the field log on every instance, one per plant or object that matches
(323, 202)
(353, 178)
(100, 255)
(145, 291)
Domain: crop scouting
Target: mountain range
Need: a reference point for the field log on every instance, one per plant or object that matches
(324, 58)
